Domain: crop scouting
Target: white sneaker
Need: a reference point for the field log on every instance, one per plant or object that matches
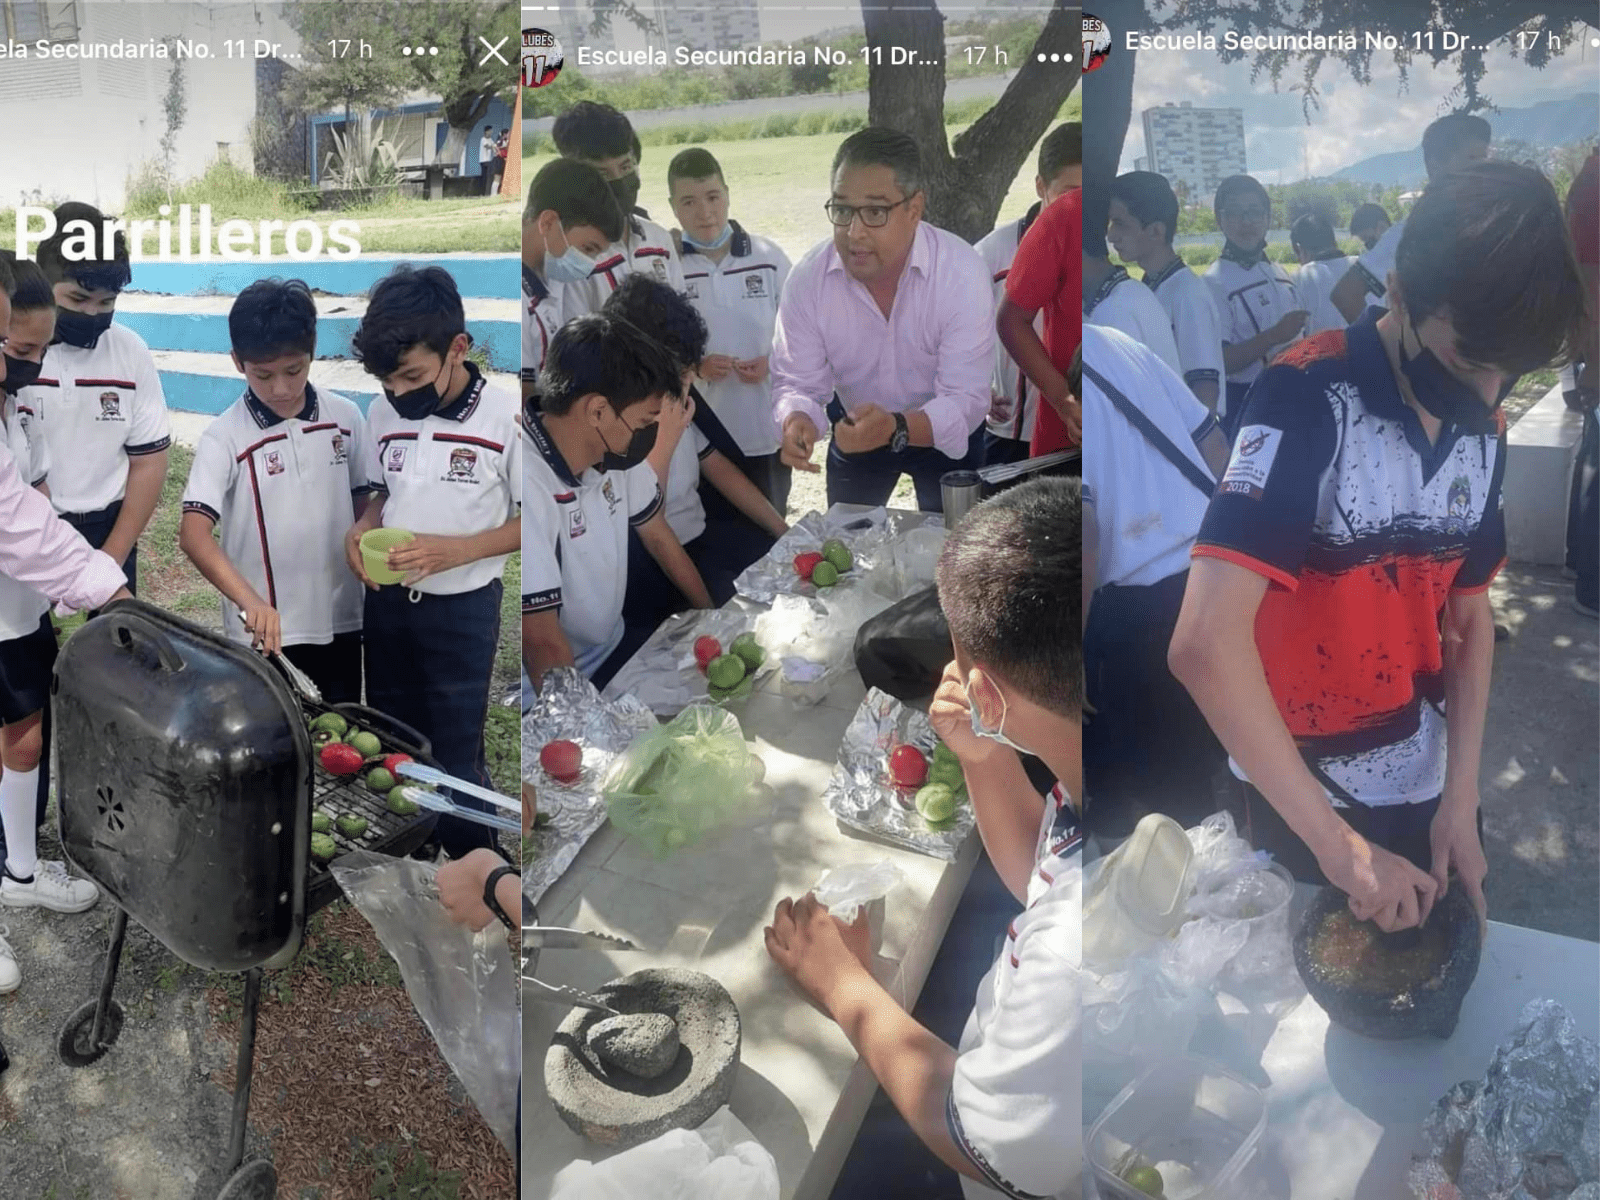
(51, 888)
(10, 976)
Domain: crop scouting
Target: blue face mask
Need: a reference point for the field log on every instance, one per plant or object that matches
(572, 267)
(718, 243)
(997, 734)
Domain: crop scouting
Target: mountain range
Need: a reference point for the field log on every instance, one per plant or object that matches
(1548, 123)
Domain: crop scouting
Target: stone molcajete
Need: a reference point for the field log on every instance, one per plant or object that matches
(1389, 985)
(668, 1062)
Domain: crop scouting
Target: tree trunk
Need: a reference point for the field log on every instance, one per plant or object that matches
(1108, 93)
(964, 188)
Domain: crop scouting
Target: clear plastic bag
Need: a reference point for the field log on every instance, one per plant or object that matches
(464, 985)
(721, 1160)
(684, 779)
(844, 890)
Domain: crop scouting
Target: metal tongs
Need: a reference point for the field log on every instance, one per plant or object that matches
(298, 678)
(440, 803)
(536, 937)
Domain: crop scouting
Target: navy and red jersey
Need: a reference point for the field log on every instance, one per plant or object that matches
(1363, 529)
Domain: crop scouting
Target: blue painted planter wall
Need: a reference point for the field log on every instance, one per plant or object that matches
(212, 394)
(478, 276)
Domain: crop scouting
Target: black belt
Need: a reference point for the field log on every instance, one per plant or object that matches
(86, 517)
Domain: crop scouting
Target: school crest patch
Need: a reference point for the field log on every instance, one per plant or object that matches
(755, 286)
(575, 526)
(340, 453)
(610, 493)
(110, 406)
(396, 458)
(463, 465)
(274, 462)
(1458, 500)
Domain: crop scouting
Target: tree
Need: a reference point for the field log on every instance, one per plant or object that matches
(464, 84)
(1546, 31)
(966, 180)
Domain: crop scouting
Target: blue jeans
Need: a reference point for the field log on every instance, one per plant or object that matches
(870, 478)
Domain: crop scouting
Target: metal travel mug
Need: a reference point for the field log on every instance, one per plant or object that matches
(961, 490)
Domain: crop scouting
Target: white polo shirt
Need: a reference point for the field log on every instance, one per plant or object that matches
(1015, 1108)
(1314, 284)
(541, 317)
(20, 605)
(1250, 300)
(685, 514)
(1376, 264)
(102, 407)
(1146, 513)
(645, 247)
(1124, 304)
(456, 471)
(999, 250)
(283, 493)
(575, 542)
(738, 298)
(1195, 327)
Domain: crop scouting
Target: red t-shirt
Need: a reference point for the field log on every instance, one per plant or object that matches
(1047, 274)
(1583, 210)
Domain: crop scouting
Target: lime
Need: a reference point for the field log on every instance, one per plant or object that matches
(321, 822)
(748, 649)
(825, 574)
(837, 554)
(936, 802)
(948, 773)
(379, 780)
(366, 744)
(726, 671)
(1147, 1179)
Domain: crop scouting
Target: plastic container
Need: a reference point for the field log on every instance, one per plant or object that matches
(375, 547)
(1136, 895)
(1268, 949)
(1193, 1121)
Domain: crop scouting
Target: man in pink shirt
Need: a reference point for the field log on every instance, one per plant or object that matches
(883, 332)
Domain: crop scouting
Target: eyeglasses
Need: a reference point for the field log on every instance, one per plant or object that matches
(873, 216)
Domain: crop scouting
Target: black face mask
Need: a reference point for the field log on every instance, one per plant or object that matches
(637, 450)
(626, 190)
(1445, 396)
(20, 372)
(78, 329)
(417, 403)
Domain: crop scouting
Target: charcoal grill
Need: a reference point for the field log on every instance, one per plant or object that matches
(186, 786)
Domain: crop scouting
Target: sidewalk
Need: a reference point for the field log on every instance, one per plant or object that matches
(1539, 773)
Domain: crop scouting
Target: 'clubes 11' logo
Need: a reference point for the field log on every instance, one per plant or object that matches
(541, 57)
(1096, 43)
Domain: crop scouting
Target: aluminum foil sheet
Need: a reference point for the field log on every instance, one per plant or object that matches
(1529, 1130)
(662, 674)
(865, 531)
(569, 707)
(862, 795)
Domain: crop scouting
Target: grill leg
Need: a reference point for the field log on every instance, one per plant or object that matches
(246, 1064)
(108, 977)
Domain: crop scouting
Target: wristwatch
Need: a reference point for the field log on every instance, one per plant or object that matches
(902, 434)
(489, 898)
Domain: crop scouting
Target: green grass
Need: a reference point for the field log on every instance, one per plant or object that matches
(406, 1174)
(341, 963)
(777, 185)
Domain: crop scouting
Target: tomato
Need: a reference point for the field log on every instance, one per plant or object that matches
(562, 760)
(706, 649)
(804, 564)
(908, 767)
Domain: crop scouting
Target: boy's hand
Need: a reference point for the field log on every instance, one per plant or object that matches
(264, 625)
(352, 555)
(715, 367)
(460, 885)
(1456, 846)
(1291, 326)
(751, 370)
(951, 717)
(676, 417)
(816, 949)
(799, 439)
(426, 554)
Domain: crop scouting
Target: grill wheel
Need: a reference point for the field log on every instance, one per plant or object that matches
(74, 1045)
(256, 1180)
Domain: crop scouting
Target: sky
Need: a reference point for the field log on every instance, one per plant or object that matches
(1354, 121)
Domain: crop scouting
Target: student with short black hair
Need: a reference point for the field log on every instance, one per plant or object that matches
(603, 137)
(446, 465)
(108, 430)
(1322, 265)
(1004, 1109)
(600, 398)
(42, 559)
(1143, 220)
(569, 220)
(734, 278)
(1454, 141)
(281, 474)
(720, 547)
(1257, 304)
(1360, 514)
(488, 159)
(1112, 297)
(1014, 400)
(1368, 222)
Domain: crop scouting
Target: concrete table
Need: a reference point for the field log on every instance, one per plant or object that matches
(800, 1088)
(1345, 1113)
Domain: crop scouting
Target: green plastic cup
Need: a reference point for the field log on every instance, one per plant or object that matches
(375, 547)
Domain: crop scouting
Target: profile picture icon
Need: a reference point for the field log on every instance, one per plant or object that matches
(1096, 43)
(541, 57)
